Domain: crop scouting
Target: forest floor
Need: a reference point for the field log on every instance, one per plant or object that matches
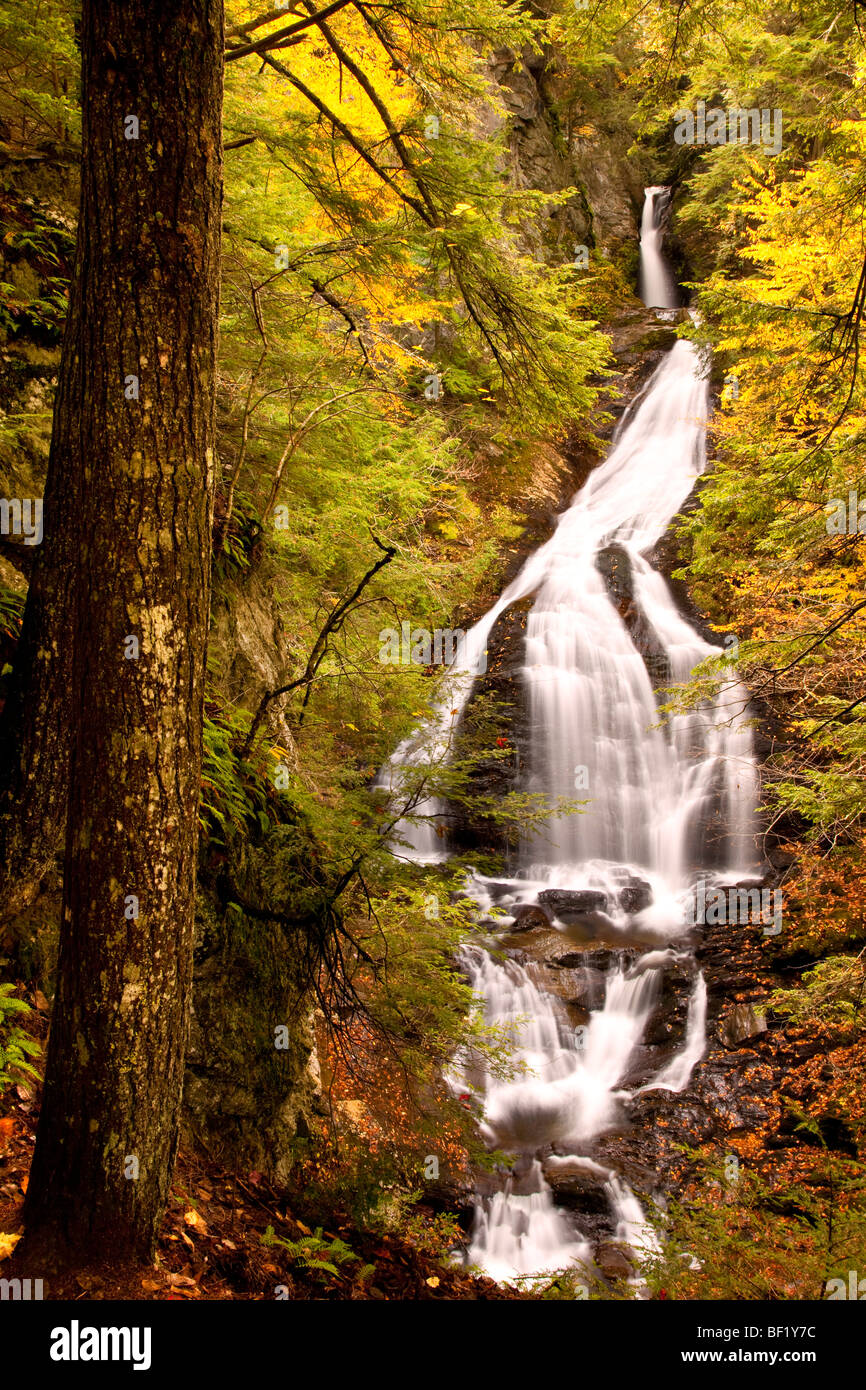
(213, 1243)
(237, 1236)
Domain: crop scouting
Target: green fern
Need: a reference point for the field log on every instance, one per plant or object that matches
(313, 1252)
(15, 1045)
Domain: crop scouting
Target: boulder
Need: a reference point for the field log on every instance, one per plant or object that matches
(529, 917)
(572, 900)
(578, 1190)
(742, 1022)
(587, 987)
(614, 1262)
(635, 896)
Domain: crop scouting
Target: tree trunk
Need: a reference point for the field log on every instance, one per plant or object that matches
(135, 528)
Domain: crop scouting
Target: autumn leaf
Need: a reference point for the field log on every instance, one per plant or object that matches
(7, 1244)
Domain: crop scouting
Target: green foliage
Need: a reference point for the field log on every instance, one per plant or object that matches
(39, 75)
(748, 1240)
(16, 1046)
(238, 794)
(11, 611)
(832, 992)
(316, 1253)
(46, 248)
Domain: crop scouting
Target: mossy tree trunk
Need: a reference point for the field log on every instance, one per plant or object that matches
(134, 440)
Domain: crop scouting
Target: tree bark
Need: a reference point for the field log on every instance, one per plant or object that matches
(133, 532)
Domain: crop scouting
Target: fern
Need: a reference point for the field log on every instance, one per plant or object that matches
(15, 1045)
(313, 1252)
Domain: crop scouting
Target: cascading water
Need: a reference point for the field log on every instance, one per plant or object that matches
(664, 804)
(655, 284)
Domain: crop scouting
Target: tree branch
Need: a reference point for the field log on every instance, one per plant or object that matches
(320, 647)
(283, 38)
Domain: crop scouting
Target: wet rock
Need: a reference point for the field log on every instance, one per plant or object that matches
(659, 1029)
(453, 1195)
(529, 917)
(635, 896)
(570, 961)
(586, 987)
(498, 891)
(602, 959)
(613, 1261)
(615, 567)
(572, 900)
(577, 1189)
(744, 1021)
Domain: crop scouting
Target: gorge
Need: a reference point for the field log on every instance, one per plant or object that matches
(668, 803)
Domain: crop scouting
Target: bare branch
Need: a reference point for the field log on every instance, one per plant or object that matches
(333, 624)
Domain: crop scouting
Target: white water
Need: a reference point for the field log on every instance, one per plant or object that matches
(665, 803)
(656, 284)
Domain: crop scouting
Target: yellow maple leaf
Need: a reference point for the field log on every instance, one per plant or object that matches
(7, 1244)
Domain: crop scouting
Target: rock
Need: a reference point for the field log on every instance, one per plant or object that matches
(615, 568)
(613, 1262)
(659, 1030)
(453, 1195)
(572, 900)
(570, 961)
(635, 896)
(499, 890)
(529, 917)
(779, 858)
(578, 1190)
(600, 960)
(588, 924)
(742, 1022)
(587, 987)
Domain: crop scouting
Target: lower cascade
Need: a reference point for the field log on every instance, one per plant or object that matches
(668, 803)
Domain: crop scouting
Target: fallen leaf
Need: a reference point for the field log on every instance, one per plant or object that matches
(41, 1002)
(196, 1221)
(7, 1126)
(7, 1244)
(433, 1281)
(151, 1285)
(24, 1184)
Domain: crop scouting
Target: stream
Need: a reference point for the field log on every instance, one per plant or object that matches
(666, 805)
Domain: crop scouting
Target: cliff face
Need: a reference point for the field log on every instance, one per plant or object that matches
(560, 138)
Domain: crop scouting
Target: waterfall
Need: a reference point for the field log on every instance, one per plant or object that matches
(656, 284)
(666, 802)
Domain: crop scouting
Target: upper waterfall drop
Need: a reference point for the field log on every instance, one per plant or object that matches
(656, 285)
